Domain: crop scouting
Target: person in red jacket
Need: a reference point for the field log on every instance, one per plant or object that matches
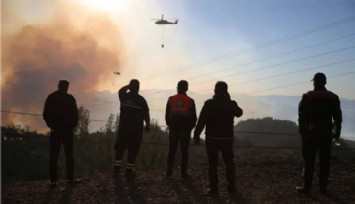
(319, 119)
(217, 115)
(180, 117)
(61, 116)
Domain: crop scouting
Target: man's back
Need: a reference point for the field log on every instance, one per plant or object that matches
(133, 107)
(180, 113)
(218, 115)
(319, 108)
(60, 110)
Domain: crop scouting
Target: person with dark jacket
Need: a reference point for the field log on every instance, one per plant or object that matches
(217, 115)
(319, 118)
(61, 116)
(134, 111)
(180, 117)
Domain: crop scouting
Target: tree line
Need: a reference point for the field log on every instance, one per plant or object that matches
(25, 153)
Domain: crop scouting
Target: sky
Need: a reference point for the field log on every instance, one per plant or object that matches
(259, 47)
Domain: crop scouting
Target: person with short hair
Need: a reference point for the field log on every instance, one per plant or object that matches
(180, 117)
(319, 120)
(134, 112)
(61, 116)
(217, 115)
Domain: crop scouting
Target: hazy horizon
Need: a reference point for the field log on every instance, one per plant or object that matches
(259, 47)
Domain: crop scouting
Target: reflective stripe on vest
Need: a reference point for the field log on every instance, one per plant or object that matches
(180, 105)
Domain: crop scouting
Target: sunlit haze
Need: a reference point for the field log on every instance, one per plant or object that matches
(261, 48)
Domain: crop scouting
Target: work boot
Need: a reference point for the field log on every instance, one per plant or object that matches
(303, 190)
(73, 181)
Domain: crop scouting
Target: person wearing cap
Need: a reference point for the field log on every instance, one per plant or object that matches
(180, 117)
(134, 112)
(61, 116)
(217, 115)
(319, 119)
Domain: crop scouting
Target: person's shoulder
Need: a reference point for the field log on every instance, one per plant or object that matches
(209, 101)
(54, 94)
(331, 94)
(71, 96)
(308, 94)
(324, 94)
(191, 99)
(141, 98)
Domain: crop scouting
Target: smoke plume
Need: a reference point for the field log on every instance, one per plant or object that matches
(72, 44)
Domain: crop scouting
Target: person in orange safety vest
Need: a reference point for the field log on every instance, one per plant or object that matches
(180, 117)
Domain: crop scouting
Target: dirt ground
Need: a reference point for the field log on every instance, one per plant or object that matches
(259, 180)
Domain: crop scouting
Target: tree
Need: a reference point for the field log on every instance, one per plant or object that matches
(110, 125)
(81, 132)
(116, 123)
(82, 129)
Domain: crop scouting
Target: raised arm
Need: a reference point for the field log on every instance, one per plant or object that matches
(122, 93)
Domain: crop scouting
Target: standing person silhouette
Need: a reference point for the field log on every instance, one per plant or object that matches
(217, 115)
(61, 116)
(319, 118)
(180, 116)
(134, 111)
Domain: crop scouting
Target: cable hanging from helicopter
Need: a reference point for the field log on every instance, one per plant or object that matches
(163, 22)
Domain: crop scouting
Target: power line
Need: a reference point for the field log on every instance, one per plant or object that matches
(262, 68)
(21, 113)
(294, 72)
(283, 86)
(164, 126)
(292, 84)
(272, 57)
(297, 83)
(263, 45)
(283, 63)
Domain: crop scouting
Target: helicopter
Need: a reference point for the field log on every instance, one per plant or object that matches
(162, 21)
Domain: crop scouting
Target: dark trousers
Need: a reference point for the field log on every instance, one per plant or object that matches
(226, 148)
(174, 138)
(56, 138)
(131, 142)
(311, 143)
